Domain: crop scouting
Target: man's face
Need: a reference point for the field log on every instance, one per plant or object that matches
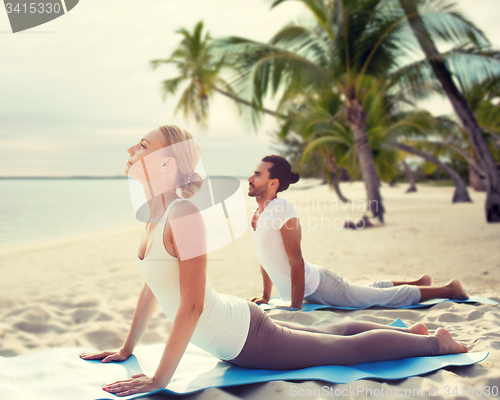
(259, 182)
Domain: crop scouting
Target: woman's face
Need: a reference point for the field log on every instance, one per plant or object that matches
(147, 145)
(151, 165)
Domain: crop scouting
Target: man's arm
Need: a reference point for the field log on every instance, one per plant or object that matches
(268, 286)
(292, 234)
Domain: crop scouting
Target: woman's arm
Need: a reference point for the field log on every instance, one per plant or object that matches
(192, 276)
(142, 314)
(145, 307)
(189, 227)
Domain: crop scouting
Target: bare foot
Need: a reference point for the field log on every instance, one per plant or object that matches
(458, 292)
(419, 329)
(447, 344)
(424, 280)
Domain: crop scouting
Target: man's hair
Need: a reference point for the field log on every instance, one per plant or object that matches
(281, 170)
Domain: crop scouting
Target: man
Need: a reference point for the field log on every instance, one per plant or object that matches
(276, 235)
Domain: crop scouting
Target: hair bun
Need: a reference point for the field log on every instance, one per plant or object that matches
(191, 185)
(192, 177)
(294, 177)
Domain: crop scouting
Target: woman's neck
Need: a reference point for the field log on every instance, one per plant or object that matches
(158, 205)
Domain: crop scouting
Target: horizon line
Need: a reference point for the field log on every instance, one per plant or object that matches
(82, 177)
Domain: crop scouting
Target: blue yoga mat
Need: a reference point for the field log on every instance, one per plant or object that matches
(276, 301)
(59, 374)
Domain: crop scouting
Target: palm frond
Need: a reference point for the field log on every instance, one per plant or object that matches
(317, 7)
(170, 86)
(443, 21)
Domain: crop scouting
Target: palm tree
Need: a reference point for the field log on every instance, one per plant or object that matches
(330, 163)
(441, 70)
(453, 140)
(312, 121)
(461, 195)
(410, 175)
(484, 100)
(335, 145)
(353, 48)
(319, 125)
(481, 98)
(203, 73)
(415, 132)
(299, 59)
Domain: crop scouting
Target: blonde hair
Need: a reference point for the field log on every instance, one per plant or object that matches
(186, 154)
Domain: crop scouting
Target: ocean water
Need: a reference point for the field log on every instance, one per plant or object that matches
(40, 209)
(44, 209)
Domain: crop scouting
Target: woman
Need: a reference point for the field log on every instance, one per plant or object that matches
(172, 262)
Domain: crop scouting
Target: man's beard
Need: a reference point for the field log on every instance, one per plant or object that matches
(256, 193)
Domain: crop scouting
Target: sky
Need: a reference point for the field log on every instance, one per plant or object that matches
(77, 92)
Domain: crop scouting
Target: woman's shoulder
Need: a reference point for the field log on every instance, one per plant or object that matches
(186, 226)
(183, 208)
(185, 215)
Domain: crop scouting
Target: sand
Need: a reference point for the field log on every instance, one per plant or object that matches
(82, 291)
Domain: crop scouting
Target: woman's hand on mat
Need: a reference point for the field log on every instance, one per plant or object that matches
(107, 356)
(259, 300)
(139, 383)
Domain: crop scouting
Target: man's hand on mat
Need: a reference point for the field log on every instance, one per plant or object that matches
(107, 356)
(139, 383)
(290, 307)
(259, 300)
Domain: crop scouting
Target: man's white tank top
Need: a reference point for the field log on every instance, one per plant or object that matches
(271, 252)
(223, 325)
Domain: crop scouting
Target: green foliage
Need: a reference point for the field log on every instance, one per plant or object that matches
(198, 69)
(349, 40)
(351, 50)
(357, 49)
(292, 149)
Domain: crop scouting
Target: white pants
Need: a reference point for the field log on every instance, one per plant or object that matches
(334, 291)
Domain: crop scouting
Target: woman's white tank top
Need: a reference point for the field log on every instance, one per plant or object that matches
(223, 326)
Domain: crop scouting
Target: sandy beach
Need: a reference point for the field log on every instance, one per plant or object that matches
(82, 291)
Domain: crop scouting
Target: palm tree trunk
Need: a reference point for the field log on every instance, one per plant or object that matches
(410, 176)
(476, 178)
(356, 115)
(462, 109)
(332, 167)
(461, 194)
(472, 161)
(247, 103)
(476, 174)
(324, 179)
